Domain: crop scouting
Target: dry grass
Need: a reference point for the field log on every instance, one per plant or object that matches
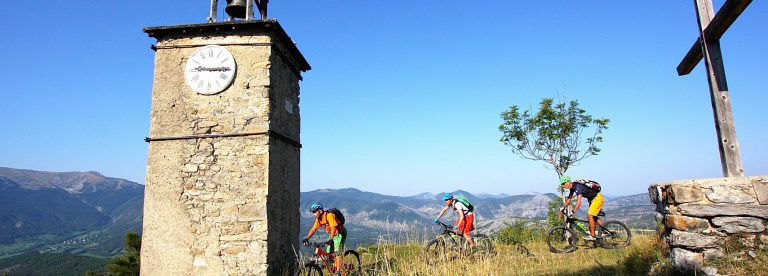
(408, 259)
(739, 262)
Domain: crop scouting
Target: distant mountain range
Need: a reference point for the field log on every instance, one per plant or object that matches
(372, 216)
(86, 212)
(74, 212)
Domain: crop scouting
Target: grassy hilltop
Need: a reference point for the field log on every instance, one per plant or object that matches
(646, 255)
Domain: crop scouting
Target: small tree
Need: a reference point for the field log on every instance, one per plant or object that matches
(555, 134)
(129, 263)
(554, 217)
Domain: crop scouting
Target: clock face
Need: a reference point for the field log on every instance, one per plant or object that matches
(210, 70)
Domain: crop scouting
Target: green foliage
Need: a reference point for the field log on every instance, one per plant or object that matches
(553, 212)
(520, 232)
(129, 263)
(59, 264)
(555, 134)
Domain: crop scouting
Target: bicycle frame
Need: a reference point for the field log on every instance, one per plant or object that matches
(571, 222)
(449, 232)
(322, 256)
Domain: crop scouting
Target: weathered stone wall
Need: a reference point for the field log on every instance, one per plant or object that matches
(702, 216)
(284, 164)
(223, 205)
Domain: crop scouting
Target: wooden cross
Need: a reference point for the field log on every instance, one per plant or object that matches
(707, 46)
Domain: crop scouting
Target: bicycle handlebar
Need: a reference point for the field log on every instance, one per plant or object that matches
(446, 226)
(319, 244)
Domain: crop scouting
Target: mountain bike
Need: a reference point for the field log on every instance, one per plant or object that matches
(350, 262)
(449, 245)
(565, 238)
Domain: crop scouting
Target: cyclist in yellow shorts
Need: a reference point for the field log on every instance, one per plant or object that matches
(582, 190)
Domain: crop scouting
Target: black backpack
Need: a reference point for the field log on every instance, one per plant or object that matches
(590, 184)
(338, 214)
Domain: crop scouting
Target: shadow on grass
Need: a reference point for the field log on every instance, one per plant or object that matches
(632, 265)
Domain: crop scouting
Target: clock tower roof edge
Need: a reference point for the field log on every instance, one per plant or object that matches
(228, 28)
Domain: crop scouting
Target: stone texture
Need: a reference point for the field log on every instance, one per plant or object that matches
(729, 194)
(713, 253)
(734, 225)
(684, 223)
(685, 194)
(692, 240)
(685, 260)
(653, 194)
(703, 215)
(223, 205)
(709, 271)
(761, 190)
(712, 210)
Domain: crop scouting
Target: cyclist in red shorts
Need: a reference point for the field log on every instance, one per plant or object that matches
(466, 221)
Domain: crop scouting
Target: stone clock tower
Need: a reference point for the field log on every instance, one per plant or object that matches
(222, 187)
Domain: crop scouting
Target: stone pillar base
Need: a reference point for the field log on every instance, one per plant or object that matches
(705, 219)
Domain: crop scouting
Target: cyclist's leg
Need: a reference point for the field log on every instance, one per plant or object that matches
(330, 247)
(595, 205)
(466, 227)
(339, 242)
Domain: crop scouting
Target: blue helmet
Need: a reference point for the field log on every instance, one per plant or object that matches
(447, 196)
(316, 206)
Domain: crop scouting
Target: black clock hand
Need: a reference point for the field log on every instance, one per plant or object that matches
(211, 69)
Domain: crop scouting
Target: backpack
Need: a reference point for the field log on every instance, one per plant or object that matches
(590, 184)
(465, 201)
(338, 214)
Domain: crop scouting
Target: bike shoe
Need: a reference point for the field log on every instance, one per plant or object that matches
(589, 238)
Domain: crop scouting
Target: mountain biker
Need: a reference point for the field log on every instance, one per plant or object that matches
(336, 231)
(466, 220)
(594, 197)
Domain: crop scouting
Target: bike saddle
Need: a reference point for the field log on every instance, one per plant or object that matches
(601, 214)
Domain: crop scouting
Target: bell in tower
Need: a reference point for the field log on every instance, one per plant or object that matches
(236, 8)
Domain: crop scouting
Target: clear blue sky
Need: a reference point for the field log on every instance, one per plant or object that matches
(404, 96)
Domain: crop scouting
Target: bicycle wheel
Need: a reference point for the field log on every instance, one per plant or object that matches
(561, 240)
(618, 235)
(435, 250)
(310, 270)
(351, 263)
(483, 244)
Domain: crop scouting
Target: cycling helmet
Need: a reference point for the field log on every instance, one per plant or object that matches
(316, 206)
(447, 196)
(564, 179)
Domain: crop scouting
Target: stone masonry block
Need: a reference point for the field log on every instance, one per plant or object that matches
(761, 189)
(713, 253)
(729, 194)
(693, 241)
(734, 225)
(715, 210)
(685, 260)
(684, 223)
(685, 194)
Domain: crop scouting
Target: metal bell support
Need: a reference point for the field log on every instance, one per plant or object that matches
(239, 9)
